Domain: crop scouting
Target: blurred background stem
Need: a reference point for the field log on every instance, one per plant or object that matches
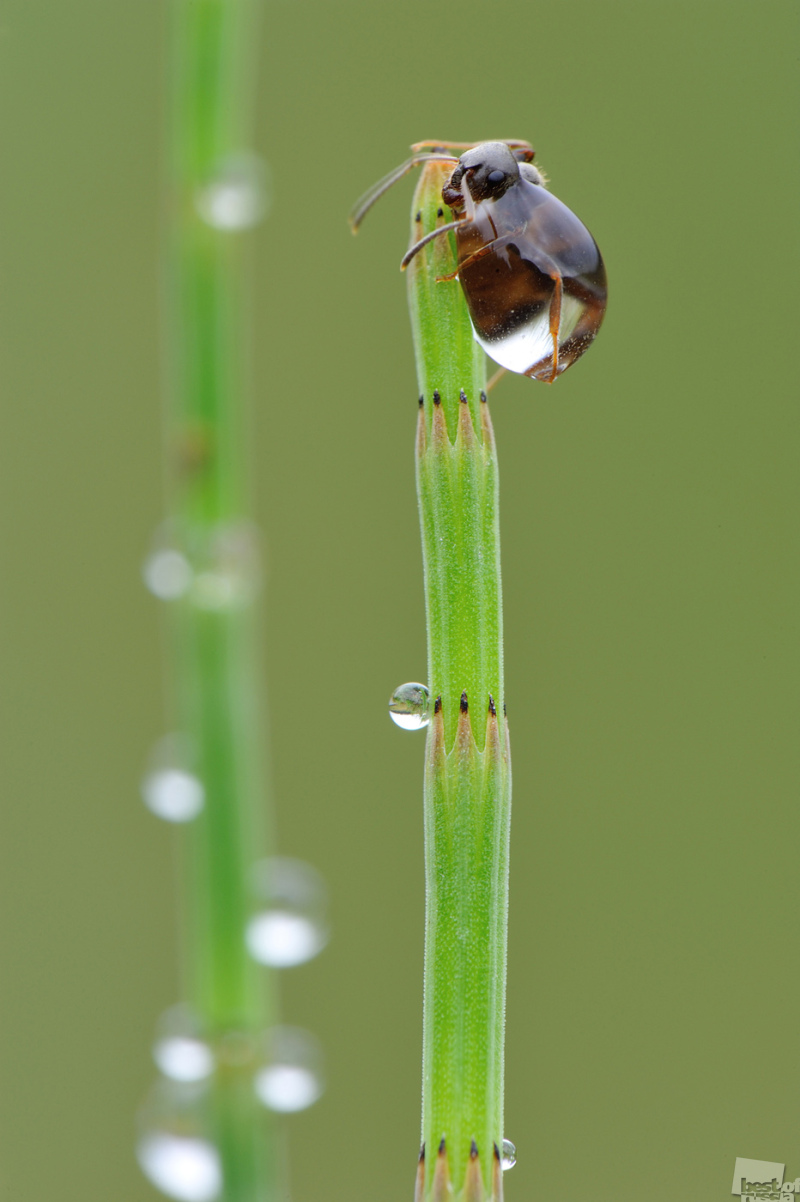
(214, 193)
(467, 777)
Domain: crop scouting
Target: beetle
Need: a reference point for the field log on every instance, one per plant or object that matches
(532, 274)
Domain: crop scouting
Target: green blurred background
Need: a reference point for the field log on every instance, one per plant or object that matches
(649, 520)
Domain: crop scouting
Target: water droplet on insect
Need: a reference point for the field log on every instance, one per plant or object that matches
(173, 1148)
(237, 196)
(170, 789)
(509, 1157)
(167, 574)
(290, 1079)
(409, 706)
(179, 1050)
(291, 928)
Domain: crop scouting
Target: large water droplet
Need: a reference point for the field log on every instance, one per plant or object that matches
(170, 790)
(553, 282)
(179, 1050)
(509, 1157)
(409, 706)
(237, 196)
(173, 1149)
(292, 927)
(290, 1079)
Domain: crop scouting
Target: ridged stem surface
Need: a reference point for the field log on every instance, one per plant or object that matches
(467, 775)
(212, 43)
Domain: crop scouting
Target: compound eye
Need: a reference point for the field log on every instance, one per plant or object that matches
(495, 177)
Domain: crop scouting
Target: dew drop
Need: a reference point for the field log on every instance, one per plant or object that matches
(291, 926)
(509, 1157)
(173, 1149)
(173, 794)
(170, 789)
(181, 1167)
(290, 1079)
(409, 706)
(237, 196)
(227, 569)
(167, 574)
(179, 1051)
(287, 1087)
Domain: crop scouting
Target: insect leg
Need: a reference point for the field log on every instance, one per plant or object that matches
(478, 254)
(443, 229)
(555, 322)
(498, 375)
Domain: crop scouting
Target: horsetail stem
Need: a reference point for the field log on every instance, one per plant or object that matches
(467, 788)
(215, 652)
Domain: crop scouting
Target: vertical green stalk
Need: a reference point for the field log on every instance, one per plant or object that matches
(212, 71)
(467, 776)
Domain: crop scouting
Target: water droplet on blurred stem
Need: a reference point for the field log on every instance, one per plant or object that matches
(173, 795)
(409, 706)
(167, 574)
(215, 569)
(173, 1149)
(291, 1078)
(179, 1051)
(181, 1167)
(291, 928)
(170, 790)
(509, 1157)
(236, 198)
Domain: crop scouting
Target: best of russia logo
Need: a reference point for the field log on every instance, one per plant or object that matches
(757, 1179)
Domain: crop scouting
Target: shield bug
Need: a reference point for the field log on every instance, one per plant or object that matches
(532, 275)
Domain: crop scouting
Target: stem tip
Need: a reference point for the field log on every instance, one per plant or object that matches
(464, 703)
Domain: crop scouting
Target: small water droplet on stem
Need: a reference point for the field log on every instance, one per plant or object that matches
(409, 706)
(291, 928)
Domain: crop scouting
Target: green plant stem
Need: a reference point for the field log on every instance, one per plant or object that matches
(212, 45)
(467, 777)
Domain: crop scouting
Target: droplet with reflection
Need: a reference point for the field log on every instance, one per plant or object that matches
(291, 928)
(173, 1149)
(180, 1051)
(509, 1156)
(170, 789)
(237, 197)
(409, 706)
(290, 1078)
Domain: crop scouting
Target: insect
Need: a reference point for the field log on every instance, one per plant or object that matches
(532, 275)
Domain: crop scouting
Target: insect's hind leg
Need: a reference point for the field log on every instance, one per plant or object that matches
(555, 322)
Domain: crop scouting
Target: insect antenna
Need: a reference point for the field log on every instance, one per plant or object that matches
(363, 206)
